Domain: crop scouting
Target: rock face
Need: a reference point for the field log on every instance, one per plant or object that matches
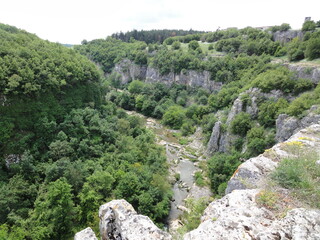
(119, 221)
(305, 71)
(221, 141)
(287, 36)
(251, 173)
(86, 234)
(237, 215)
(287, 126)
(129, 71)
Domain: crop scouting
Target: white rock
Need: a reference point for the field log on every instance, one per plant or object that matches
(118, 220)
(85, 234)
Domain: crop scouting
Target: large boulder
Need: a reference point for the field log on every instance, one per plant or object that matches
(85, 234)
(287, 126)
(237, 216)
(119, 221)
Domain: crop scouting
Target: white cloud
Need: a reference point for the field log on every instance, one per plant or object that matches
(71, 21)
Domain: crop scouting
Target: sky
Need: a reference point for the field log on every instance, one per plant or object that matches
(71, 21)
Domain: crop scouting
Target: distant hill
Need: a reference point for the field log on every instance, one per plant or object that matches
(153, 36)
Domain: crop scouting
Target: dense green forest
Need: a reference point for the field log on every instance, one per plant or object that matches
(241, 59)
(67, 145)
(152, 36)
(64, 150)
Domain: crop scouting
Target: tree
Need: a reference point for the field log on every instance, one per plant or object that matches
(309, 26)
(313, 49)
(241, 124)
(54, 212)
(174, 117)
(176, 45)
(193, 45)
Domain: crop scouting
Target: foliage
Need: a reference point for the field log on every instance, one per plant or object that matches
(241, 124)
(282, 28)
(152, 36)
(174, 117)
(191, 220)
(221, 167)
(300, 174)
(313, 49)
(309, 26)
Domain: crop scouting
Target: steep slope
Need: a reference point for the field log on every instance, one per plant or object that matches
(39, 79)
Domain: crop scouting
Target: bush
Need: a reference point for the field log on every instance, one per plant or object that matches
(221, 167)
(309, 26)
(193, 45)
(176, 45)
(313, 49)
(300, 174)
(241, 124)
(174, 117)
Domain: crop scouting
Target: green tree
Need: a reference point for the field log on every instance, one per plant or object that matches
(54, 213)
(313, 49)
(309, 26)
(174, 117)
(241, 124)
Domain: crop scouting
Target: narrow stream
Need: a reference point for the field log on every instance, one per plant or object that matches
(178, 164)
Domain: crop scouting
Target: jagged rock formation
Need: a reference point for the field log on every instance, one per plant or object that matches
(221, 141)
(287, 36)
(129, 71)
(85, 234)
(287, 126)
(237, 215)
(305, 71)
(119, 221)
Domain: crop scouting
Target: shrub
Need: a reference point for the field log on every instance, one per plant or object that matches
(193, 45)
(309, 26)
(176, 45)
(313, 49)
(174, 117)
(241, 124)
(300, 174)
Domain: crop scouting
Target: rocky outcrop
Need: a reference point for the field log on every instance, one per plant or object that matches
(238, 216)
(287, 36)
(305, 71)
(128, 71)
(86, 234)
(251, 174)
(118, 220)
(221, 141)
(287, 126)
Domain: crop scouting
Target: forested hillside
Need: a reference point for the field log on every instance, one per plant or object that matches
(64, 149)
(244, 61)
(67, 145)
(152, 36)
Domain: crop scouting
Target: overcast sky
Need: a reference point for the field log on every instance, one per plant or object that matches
(71, 21)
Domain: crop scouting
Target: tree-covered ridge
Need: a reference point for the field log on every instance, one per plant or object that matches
(152, 36)
(31, 65)
(64, 150)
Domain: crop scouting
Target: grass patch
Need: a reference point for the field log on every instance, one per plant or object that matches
(301, 175)
(199, 179)
(191, 219)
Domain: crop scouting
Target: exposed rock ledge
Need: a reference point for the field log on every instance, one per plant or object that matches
(130, 71)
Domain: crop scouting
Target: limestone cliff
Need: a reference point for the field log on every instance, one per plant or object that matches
(129, 71)
(221, 140)
(287, 36)
(238, 216)
(287, 126)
